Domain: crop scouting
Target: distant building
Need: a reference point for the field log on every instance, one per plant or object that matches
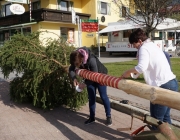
(55, 16)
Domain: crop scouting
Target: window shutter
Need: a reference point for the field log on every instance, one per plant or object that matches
(98, 7)
(71, 3)
(58, 4)
(120, 11)
(109, 8)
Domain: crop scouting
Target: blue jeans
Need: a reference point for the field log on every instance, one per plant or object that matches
(161, 112)
(92, 98)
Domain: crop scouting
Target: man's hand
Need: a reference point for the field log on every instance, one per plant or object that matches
(126, 74)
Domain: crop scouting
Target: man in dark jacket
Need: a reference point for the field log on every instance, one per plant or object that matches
(83, 58)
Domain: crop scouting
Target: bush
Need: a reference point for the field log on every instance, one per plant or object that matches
(44, 67)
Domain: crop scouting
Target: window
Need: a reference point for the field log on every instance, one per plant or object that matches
(170, 35)
(126, 33)
(65, 5)
(6, 35)
(35, 5)
(123, 11)
(15, 31)
(1, 39)
(5, 10)
(103, 8)
(26, 30)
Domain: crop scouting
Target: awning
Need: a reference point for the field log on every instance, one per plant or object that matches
(167, 23)
(113, 28)
(167, 26)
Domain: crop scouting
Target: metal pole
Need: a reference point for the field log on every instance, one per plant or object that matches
(30, 10)
(175, 37)
(175, 45)
(163, 40)
(80, 36)
(102, 39)
(78, 31)
(98, 38)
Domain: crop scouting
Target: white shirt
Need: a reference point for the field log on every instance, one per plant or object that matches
(153, 64)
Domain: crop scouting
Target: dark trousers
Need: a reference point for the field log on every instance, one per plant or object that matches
(92, 98)
(161, 112)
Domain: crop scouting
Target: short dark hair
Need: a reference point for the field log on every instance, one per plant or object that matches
(136, 35)
(75, 55)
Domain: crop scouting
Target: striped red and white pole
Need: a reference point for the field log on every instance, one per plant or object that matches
(156, 95)
(103, 79)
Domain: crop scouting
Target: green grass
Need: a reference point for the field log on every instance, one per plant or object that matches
(117, 69)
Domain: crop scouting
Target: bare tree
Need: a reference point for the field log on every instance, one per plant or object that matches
(149, 13)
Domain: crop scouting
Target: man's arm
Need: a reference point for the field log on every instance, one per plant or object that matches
(143, 62)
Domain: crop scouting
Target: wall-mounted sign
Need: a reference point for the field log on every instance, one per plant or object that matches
(90, 25)
(89, 35)
(18, 1)
(103, 19)
(17, 9)
(71, 35)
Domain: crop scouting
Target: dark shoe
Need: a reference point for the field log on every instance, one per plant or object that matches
(89, 121)
(109, 121)
(124, 101)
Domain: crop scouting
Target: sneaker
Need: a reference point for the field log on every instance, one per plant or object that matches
(89, 121)
(108, 121)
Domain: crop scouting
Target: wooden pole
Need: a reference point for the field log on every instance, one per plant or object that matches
(155, 94)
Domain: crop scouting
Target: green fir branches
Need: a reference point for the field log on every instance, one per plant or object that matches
(43, 64)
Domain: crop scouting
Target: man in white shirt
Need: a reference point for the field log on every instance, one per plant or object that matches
(154, 66)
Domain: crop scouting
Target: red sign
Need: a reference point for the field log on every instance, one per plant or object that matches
(89, 26)
(116, 33)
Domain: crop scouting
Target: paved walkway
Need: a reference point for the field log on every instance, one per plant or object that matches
(25, 122)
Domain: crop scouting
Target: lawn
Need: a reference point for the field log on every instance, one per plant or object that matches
(116, 69)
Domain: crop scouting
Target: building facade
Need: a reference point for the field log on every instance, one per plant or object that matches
(55, 16)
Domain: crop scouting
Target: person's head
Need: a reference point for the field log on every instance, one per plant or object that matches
(137, 38)
(76, 58)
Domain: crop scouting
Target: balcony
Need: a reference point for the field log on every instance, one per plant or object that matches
(42, 14)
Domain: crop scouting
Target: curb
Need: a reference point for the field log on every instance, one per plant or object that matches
(131, 110)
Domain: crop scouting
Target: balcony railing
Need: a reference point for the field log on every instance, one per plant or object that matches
(42, 14)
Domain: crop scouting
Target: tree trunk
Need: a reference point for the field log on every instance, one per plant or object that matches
(156, 95)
